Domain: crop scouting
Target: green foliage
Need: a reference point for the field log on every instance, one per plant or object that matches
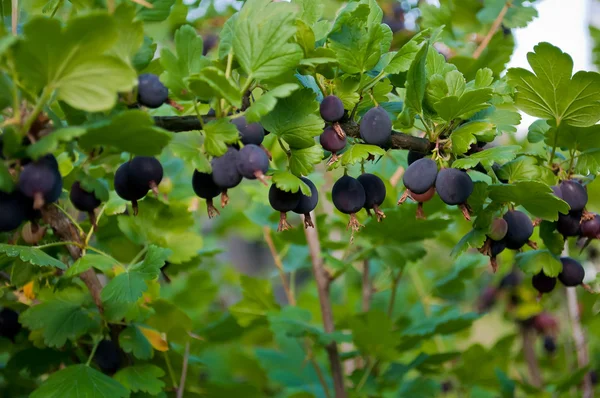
(402, 306)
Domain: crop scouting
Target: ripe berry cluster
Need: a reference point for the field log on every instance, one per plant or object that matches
(422, 180)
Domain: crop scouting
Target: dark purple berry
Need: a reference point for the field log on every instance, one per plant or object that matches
(205, 188)
(82, 199)
(453, 186)
(348, 195)
(151, 92)
(9, 323)
(331, 141)
(375, 193)
(224, 170)
(574, 194)
(307, 203)
(108, 357)
(125, 187)
(146, 172)
(41, 181)
(549, 344)
(283, 201)
(332, 109)
(252, 162)
(520, 229)
(414, 156)
(252, 133)
(543, 283)
(569, 224)
(497, 247)
(572, 273)
(376, 127)
(420, 176)
(14, 209)
(591, 228)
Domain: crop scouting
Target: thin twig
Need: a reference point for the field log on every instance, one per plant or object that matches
(528, 337)
(395, 282)
(186, 357)
(322, 280)
(279, 265)
(170, 370)
(493, 29)
(15, 16)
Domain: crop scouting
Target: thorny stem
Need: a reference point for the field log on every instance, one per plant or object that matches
(73, 221)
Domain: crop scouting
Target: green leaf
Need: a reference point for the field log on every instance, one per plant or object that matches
(187, 146)
(358, 37)
(359, 152)
(537, 131)
(217, 134)
(257, 301)
(454, 283)
(373, 333)
(295, 322)
(50, 142)
(288, 182)
(128, 287)
(261, 42)
(413, 230)
(131, 33)
(80, 381)
(534, 261)
(499, 154)
(448, 323)
(31, 255)
(553, 240)
(88, 261)
(551, 93)
(64, 316)
(188, 61)
(466, 135)
(416, 81)
(401, 60)
(159, 12)
(169, 226)
(144, 56)
(211, 83)
(463, 106)
(302, 161)
(536, 197)
(310, 10)
(525, 168)
(131, 131)
(6, 89)
(72, 61)
(588, 162)
(266, 102)
(132, 340)
(6, 180)
(142, 377)
(517, 16)
(295, 120)
(475, 238)
(576, 138)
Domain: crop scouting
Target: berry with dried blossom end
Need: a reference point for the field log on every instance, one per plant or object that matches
(375, 193)
(307, 203)
(205, 188)
(283, 201)
(252, 162)
(349, 197)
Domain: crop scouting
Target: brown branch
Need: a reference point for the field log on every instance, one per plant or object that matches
(322, 280)
(528, 337)
(178, 124)
(493, 29)
(66, 231)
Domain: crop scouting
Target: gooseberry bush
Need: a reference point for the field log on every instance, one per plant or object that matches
(407, 239)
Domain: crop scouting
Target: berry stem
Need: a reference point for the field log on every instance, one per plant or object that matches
(284, 225)
(211, 209)
(308, 222)
(224, 198)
